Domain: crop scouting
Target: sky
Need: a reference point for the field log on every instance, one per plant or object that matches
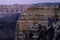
(7, 2)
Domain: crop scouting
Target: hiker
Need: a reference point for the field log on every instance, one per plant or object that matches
(50, 21)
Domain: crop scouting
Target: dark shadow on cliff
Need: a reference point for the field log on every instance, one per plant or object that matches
(8, 25)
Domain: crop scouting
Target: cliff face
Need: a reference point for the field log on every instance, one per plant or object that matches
(9, 15)
(38, 14)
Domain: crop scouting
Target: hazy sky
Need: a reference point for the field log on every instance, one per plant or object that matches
(25, 1)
